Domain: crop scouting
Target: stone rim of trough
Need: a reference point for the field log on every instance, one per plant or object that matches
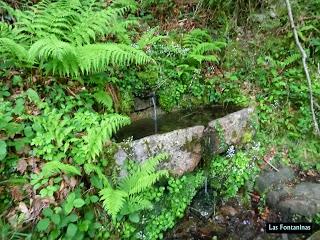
(185, 146)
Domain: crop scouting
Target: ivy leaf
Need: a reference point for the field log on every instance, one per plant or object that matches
(43, 224)
(3, 149)
(78, 203)
(28, 132)
(19, 108)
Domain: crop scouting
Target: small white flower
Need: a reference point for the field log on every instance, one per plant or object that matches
(231, 151)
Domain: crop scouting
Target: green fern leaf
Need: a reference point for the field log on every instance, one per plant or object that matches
(104, 98)
(113, 200)
(55, 167)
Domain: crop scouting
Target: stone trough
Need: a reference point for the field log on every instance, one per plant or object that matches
(186, 146)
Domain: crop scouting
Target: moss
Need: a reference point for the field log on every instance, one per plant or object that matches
(108, 160)
(220, 136)
(189, 145)
(247, 137)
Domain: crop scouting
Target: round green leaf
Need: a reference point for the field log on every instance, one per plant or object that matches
(72, 230)
(55, 218)
(68, 207)
(78, 203)
(47, 212)
(43, 224)
(134, 217)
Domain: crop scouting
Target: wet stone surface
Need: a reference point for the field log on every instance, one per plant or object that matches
(203, 205)
(302, 199)
(285, 195)
(270, 179)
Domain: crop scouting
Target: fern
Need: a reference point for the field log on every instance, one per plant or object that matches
(148, 38)
(201, 46)
(55, 167)
(104, 98)
(97, 135)
(290, 59)
(66, 37)
(126, 198)
(196, 37)
(113, 200)
(13, 49)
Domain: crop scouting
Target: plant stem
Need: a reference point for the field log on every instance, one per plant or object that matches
(305, 66)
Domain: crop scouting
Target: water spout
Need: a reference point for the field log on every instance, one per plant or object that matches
(155, 119)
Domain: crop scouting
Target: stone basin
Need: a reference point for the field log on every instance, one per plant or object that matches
(188, 145)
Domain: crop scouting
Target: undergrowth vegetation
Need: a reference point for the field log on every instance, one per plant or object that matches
(70, 72)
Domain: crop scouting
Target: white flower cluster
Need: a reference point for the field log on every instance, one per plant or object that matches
(169, 51)
(231, 151)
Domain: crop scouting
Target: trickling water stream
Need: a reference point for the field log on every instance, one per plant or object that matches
(155, 117)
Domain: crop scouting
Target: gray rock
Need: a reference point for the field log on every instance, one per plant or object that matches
(183, 147)
(269, 180)
(274, 197)
(304, 200)
(228, 130)
(141, 104)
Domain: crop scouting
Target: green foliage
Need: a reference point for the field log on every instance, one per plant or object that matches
(229, 174)
(181, 192)
(125, 198)
(104, 98)
(15, 132)
(75, 219)
(65, 37)
(60, 133)
(200, 42)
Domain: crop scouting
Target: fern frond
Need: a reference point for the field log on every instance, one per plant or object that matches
(55, 167)
(145, 177)
(290, 59)
(135, 204)
(143, 182)
(202, 58)
(15, 50)
(50, 48)
(88, 168)
(148, 38)
(113, 200)
(125, 5)
(196, 37)
(103, 98)
(98, 135)
(149, 166)
(207, 47)
(95, 57)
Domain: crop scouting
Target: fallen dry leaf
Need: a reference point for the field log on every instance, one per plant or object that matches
(24, 209)
(16, 193)
(22, 165)
(265, 214)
